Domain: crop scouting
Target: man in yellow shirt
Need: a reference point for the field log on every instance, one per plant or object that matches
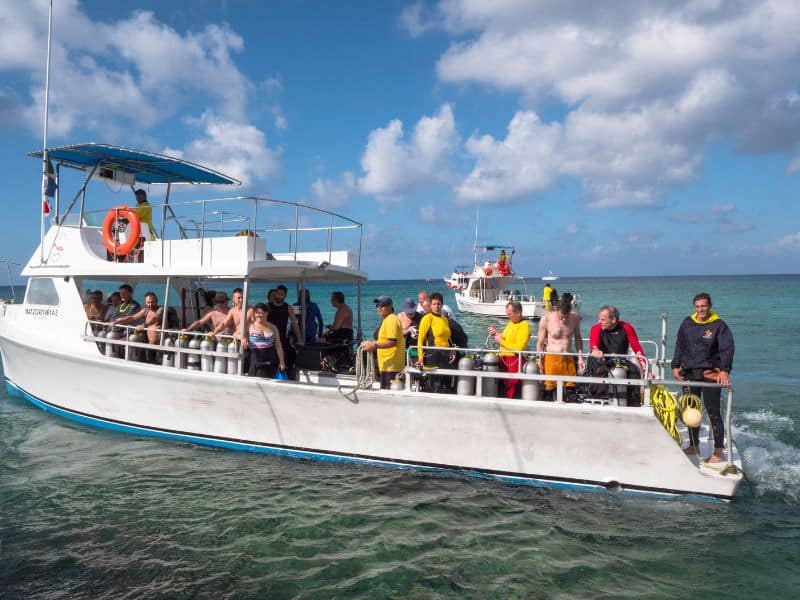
(515, 336)
(390, 345)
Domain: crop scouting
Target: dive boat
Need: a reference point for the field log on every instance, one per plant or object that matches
(60, 361)
(492, 284)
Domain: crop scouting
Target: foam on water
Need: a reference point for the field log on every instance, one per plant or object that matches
(771, 465)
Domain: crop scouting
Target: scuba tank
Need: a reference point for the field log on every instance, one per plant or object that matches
(530, 387)
(618, 371)
(183, 342)
(193, 360)
(101, 346)
(221, 362)
(466, 384)
(397, 385)
(206, 360)
(233, 358)
(167, 357)
(491, 363)
(112, 349)
(135, 354)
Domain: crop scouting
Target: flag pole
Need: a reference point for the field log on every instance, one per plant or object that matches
(46, 111)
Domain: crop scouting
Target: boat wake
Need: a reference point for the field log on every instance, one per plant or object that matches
(772, 465)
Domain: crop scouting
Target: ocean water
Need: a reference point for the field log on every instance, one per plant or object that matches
(86, 513)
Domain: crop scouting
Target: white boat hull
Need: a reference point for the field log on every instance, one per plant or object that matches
(541, 443)
(530, 309)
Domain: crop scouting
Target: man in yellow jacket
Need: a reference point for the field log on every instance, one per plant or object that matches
(390, 344)
(514, 339)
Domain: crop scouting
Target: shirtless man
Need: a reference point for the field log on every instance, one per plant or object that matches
(342, 327)
(233, 321)
(216, 317)
(556, 330)
(149, 318)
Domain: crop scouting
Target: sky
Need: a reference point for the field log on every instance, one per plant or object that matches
(646, 137)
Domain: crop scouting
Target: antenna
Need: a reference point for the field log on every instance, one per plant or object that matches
(475, 245)
(44, 141)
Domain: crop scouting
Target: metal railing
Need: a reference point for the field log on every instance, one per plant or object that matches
(17, 269)
(289, 227)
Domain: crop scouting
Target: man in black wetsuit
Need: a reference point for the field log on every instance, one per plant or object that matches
(704, 352)
(280, 315)
(612, 336)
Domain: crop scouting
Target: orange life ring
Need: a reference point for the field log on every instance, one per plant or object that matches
(487, 270)
(134, 230)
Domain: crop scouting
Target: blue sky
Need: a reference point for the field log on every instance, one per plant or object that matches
(628, 138)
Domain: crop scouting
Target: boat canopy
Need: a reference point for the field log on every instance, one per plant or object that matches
(145, 167)
(493, 247)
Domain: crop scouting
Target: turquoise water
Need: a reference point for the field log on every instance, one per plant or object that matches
(94, 514)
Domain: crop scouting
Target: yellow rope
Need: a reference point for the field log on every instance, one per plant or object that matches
(665, 408)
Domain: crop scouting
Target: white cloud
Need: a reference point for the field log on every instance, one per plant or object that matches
(334, 194)
(416, 19)
(236, 149)
(134, 73)
(791, 241)
(645, 89)
(394, 165)
(722, 209)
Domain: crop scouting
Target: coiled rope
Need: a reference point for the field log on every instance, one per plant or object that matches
(667, 410)
(365, 368)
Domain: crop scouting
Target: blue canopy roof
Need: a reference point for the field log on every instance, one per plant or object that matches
(146, 167)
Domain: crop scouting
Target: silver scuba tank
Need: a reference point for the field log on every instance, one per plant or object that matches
(221, 362)
(193, 360)
(206, 360)
(531, 387)
(233, 358)
(465, 386)
(135, 354)
(621, 391)
(111, 349)
(168, 358)
(491, 363)
(183, 342)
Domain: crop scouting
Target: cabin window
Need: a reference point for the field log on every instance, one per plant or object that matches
(42, 291)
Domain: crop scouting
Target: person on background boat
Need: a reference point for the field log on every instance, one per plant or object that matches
(216, 319)
(514, 338)
(503, 266)
(612, 336)
(263, 345)
(704, 352)
(314, 326)
(434, 330)
(341, 330)
(149, 318)
(389, 343)
(282, 316)
(557, 329)
(547, 296)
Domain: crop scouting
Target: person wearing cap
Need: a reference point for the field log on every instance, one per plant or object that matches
(389, 343)
(216, 320)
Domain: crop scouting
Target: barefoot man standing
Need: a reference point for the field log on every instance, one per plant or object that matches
(556, 330)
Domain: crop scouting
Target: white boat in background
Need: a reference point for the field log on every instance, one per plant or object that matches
(549, 277)
(492, 284)
(459, 279)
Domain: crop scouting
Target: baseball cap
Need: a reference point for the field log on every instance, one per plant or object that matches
(383, 301)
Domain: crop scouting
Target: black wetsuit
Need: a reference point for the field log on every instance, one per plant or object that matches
(700, 347)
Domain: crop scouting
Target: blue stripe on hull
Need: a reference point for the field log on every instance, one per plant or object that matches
(13, 389)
